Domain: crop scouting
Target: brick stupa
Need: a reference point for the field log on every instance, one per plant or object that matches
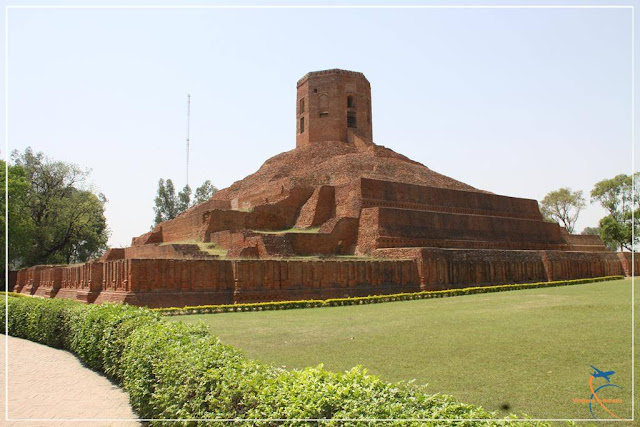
(337, 216)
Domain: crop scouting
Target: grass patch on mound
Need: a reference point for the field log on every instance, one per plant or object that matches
(525, 351)
(311, 230)
(206, 247)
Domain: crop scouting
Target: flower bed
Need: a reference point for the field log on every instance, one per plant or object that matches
(374, 299)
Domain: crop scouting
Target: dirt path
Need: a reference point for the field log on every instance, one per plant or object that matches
(51, 387)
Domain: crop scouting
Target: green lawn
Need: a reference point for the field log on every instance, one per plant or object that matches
(528, 350)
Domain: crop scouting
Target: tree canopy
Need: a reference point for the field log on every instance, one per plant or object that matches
(53, 215)
(563, 206)
(620, 196)
(168, 205)
(204, 192)
(19, 223)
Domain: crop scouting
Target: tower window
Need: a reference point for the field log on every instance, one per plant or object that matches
(323, 114)
(351, 119)
(302, 106)
(301, 124)
(351, 101)
(315, 90)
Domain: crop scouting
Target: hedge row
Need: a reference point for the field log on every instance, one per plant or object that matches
(373, 299)
(173, 370)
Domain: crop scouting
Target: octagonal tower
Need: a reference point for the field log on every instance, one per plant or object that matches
(333, 105)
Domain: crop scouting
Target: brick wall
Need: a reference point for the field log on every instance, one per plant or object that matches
(626, 261)
(50, 281)
(151, 275)
(574, 265)
(286, 280)
(452, 268)
(376, 193)
(320, 207)
(273, 216)
(388, 227)
(584, 243)
(348, 200)
(28, 279)
(170, 283)
(153, 236)
(447, 268)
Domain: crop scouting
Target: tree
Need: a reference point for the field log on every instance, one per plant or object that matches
(19, 221)
(67, 219)
(617, 196)
(168, 205)
(615, 234)
(204, 192)
(563, 206)
(614, 194)
(165, 202)
(93, 230)
(184, 198)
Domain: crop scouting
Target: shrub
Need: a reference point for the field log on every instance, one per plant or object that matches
(372, 299)
(173, 370)
(43, 321)
(314, 393)
(116, 335)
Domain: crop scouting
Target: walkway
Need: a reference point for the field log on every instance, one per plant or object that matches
(48, 385)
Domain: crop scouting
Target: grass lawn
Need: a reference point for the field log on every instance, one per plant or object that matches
(525, 351)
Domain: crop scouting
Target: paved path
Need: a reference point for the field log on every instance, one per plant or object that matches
(48, 385)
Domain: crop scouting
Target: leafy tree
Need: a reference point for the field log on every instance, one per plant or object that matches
(19, 221)
(617, 196)
(614, 194)
(615, 234)
(66, 220)
(204, 192)
(93, 230)
(166, 203)
(184, 198)
(563, 206)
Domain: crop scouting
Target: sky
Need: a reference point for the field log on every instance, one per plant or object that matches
(518, 102)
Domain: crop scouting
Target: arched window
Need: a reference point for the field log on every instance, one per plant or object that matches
(351, 101)
(351, 119)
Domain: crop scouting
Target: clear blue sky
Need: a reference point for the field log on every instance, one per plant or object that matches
(515, 101)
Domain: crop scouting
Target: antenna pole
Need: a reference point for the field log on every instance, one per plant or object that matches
(188, 120)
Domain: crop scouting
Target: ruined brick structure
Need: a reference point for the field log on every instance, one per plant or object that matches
(337, 216)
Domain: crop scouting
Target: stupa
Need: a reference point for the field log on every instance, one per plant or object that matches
(337, 216)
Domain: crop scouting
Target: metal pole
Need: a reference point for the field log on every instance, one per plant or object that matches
(188, 120)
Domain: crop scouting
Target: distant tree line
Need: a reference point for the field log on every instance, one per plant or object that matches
(168, 205)
(620, 196)
(54, 216)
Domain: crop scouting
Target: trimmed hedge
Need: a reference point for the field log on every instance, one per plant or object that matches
(173, 370)
(373, 299)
